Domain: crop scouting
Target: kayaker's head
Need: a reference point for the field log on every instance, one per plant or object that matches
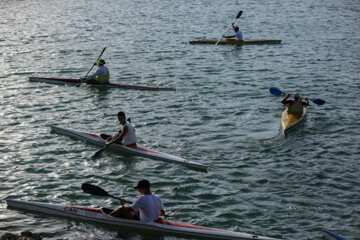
(236, 29)
(297, 96)
(143, 186)
(121, 117)
(101, 62)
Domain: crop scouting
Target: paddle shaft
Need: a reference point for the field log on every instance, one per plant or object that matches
(93, 65)
(238, 16)
(99, 152)
(98, 191)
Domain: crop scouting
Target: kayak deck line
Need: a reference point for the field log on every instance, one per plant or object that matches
(134, 150)
(113, 85)
(237, 42)
(328, 235)
(100, 215)
(289, 120)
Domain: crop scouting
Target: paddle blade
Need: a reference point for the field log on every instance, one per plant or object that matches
(318, 101)
(98, 154)
(239, 14)
(93, 190)
(276, 91)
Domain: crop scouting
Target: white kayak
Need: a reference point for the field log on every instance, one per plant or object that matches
(100, 215)
(134, 150)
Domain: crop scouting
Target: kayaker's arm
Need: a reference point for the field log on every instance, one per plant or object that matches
(306, 103)
(162, 212)
(123, 133)
(229, 36)
(284, 101)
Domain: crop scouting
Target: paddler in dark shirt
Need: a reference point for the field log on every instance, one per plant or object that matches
(297, 105)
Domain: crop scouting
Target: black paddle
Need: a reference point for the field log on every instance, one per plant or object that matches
(278, 92)
(237, 16)
(78, 85)
(99, 153)
(98, 191)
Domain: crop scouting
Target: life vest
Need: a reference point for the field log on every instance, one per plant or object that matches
(296, 107)
(103, 78)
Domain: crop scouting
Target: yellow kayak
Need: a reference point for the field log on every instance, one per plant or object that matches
(236, 42)
(289, 120)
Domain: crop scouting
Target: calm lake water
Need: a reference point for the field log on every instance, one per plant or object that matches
(221, 115)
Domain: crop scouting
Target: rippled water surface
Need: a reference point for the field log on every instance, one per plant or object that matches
(221, 115)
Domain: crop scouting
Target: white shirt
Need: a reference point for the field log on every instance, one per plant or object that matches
(149, 206)
(130, 136)
(102, 71)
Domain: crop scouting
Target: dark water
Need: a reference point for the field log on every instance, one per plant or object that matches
(222, 113)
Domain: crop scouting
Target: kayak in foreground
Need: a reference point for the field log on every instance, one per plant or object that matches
(100, 215)
(289, 120)
(236, 42)
(135, 150)
(114, 85)
(332, 236)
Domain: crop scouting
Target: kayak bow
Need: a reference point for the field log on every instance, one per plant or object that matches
(289, 120)
(236, 42)
(100, 215)
(134, 150)
(114, 85)
(332, 236)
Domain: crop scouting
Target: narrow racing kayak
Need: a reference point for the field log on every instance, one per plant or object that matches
(132, 149)
(332, 236)
(100, 215)
(289, 120)
(236, 42)
(114, 85)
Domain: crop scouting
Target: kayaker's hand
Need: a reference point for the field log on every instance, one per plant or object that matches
(122, 201)
(82, 79)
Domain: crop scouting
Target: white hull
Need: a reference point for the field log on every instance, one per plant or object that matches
(141, 151)
(98, 215)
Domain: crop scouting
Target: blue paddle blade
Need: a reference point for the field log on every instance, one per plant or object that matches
(275, 91)
(318, 101)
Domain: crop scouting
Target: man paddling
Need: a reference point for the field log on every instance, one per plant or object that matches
(295, 106)
(126, 136)
(238, 34)
(102, 75)
(148, 207)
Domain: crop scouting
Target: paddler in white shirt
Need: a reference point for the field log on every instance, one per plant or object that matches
(102, 75)
(238, 34)
(127, 134)
(147, 208)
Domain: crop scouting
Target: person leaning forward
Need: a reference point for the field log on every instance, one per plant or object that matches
(147, 208)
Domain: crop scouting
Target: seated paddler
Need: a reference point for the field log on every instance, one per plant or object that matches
(102, 74)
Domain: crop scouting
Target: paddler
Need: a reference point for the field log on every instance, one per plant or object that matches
(296, 105)
(147, 208)
(238, 34)
(126, 136)
(102, 75)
